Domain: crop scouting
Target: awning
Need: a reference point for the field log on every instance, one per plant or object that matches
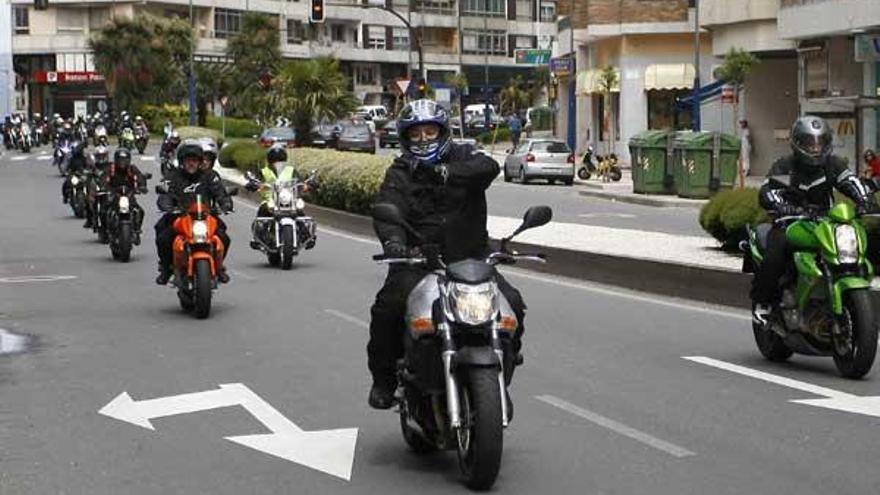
(588, 82)
(669, 76)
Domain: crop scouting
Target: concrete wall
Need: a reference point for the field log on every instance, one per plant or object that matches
(754, 36)
(587, 12)
(770, 103)
(800, 19)
(718, 12)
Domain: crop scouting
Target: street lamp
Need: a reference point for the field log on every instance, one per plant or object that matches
(192, 74)
(696, 99)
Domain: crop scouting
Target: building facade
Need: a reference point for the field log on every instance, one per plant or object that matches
(56, 70)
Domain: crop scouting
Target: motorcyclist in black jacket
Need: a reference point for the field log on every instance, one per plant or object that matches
(801, 182)
(181, 183)
(80, 162)
(124, 173)
(440, 187)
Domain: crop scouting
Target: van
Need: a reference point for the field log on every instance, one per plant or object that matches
(375, 113)
(477, 110)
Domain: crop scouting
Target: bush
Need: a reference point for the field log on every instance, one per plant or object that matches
(349, 181)
(541, 118)
(243, 155)
(502, 137)
(156, 116)
(188, 132)
(726, 215)
(240, 128)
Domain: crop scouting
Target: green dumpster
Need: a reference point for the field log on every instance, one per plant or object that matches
(705, 162)
(651, 166)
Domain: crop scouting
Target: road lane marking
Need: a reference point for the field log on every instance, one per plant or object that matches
(148, 158)
(35, 278)
(44, 157)
(328, 451)
(832, 399)
(351, 319)
(11, 343)
(617, 427)
(607, 215)
(19, 158)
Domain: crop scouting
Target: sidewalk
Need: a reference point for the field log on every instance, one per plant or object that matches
(680, 250)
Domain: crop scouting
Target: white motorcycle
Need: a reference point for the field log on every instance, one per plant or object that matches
(282, 235)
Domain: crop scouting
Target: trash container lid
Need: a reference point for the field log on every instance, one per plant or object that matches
(650, 138)
(704, 140)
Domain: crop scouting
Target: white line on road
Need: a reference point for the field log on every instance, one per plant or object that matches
(351, 319)
(18, 158)
(607, 215)
(767, 377)
(148, 158)
(35, 278)
(11, 343)
(44, 157)
(617, 427)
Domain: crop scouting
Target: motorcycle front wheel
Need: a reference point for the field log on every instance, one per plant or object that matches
(859, 315)
(583, 174)
(122, 250)
(480, 438)
(287, 249)
(202, 287)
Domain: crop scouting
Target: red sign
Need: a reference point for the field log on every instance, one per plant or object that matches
(728, 94)
(52, 77)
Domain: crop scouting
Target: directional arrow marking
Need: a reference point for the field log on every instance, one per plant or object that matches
(328, 451)
(834, 399)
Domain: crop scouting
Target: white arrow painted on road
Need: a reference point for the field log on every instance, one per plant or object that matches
(328, 451)
(834, 399)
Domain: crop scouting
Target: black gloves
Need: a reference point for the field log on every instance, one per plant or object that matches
(225, 205)
(397, 249)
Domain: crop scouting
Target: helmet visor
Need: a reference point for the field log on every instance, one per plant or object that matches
(813, 145)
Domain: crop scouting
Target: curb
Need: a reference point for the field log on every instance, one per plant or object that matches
(666, 279)
(644, 200)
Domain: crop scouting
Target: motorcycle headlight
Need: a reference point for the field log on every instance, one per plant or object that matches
(285, 197)
(300, 204)
(473, 304)
(74, 181)
(200, 231)
(847, 244)
(123, 204)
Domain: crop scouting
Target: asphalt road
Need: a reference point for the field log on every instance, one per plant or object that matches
(605, 403)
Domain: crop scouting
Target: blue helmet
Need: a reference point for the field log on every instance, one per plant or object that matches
(424, 112)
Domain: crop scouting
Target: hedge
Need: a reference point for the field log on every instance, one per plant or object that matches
(188, 132)
(349, 181)
(726, 215)
(241, 128)
(490, 137)
(243, 155)
(157, 116)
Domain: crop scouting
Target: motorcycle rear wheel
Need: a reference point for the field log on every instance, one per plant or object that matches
(770, 344)
(859, 310)
(202, 287)
(583, 174)
(481, 438)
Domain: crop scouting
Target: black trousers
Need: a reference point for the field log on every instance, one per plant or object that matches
(165, 235)
(387, 324)
(765, 284)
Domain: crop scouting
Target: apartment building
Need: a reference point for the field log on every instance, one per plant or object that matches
(650, 44)
(55, 69)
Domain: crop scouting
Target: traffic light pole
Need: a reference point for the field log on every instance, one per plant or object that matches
(192, 75)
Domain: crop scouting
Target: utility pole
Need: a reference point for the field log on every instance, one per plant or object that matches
(192, 74)
(696, 100)
(486, 115)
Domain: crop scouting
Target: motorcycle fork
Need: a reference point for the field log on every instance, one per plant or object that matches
(453, 408)
(499, 351)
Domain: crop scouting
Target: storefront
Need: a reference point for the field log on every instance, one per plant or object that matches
(68, 93)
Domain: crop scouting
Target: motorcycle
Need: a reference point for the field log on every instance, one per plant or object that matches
(826, 307)
(281, 235)
(62, 156)
(167, 163)
(607, 169)
(78, 196)
(40, 137)
(123, 221)
(458, 357)
(126, 138)
(198, 252)
(141, 139)
(25, 139)
(82, 132)
(100, 136)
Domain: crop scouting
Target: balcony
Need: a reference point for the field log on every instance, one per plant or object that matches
(803, 19)
(721, 12)
(359, 53)
(42, 43)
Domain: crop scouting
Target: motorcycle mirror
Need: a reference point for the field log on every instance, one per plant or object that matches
(535, 216)
(160, 189)
(249, 176)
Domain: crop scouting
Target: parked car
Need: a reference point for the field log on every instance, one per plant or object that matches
(274, 135)
(325, 135)
(549, 159)
(357, 137)
(388, 135)
(374, 113)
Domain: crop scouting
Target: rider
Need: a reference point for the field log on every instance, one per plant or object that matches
(440, 187)
(140, 125)
(190, 174)
(804, 180)
(123, 173)
(79, 163)
(170, 144)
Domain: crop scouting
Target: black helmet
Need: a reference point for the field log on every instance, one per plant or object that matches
(122, 158)
(424, 112)
(276, 154)
(77, 148)
(188, 149)
(811, 140)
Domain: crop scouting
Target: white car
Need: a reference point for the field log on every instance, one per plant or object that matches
(549, 159)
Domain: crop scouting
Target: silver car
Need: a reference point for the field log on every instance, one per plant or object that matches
(549, 159)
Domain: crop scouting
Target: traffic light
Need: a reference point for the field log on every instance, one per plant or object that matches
(423, 87)
(316, 14)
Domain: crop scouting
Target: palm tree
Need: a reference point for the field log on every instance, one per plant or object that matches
(214, 81)
(460, 82)
(514, 97)
(309, 91)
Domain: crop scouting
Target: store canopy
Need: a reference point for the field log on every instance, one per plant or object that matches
(669, 76)
(588, 82)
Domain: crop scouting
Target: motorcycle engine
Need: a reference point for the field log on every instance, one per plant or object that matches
(818, 321)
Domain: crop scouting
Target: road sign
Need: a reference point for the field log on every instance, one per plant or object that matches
(403, 85)
(224, 100)
(561, 66)
(328, 451)
(532, 56)
(728, 94)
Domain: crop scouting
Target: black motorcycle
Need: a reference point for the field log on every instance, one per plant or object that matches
(78, 194)
(140, 139)
(459, 355)
(123, 221)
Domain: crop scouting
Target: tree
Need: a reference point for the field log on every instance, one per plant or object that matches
(257, 56)
(143, 59)
(608, 82)
(514, 97)
(460, 82)
(738, 64)
(309, 91)
(214, 81)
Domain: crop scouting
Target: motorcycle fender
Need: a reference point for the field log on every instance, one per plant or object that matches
(199, 255)
(287, 221)
(419, 307)
(843, 285)
(480, 357)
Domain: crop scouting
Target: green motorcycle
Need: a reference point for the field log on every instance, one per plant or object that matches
(826, 307)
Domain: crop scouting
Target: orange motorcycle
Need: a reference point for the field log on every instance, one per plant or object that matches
(198, 254)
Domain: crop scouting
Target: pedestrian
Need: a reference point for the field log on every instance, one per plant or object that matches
(872, 164)
(745, 151)
(516, 127)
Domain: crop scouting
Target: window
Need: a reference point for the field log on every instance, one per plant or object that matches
(227, 22)
(22, 21)
(401, 39)
(337, 33)
(524, 10)
(69, 19)
(662, 111)
(365, 75)
(376, 37)
(524, 42)
(442, 7)
(495, 42)
(488, 8)
(548, 11)
(295, 32)
(98, 17)
(816, 72)
(550, 147)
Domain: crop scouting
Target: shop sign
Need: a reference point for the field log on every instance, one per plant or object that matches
(53, 77)
(560, 66)
(844, 131)
(728, 94)
(532, 56)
